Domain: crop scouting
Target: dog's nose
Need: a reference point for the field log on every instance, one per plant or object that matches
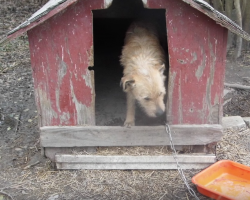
(159, 112)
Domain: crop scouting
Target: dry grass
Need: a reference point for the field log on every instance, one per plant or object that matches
(41, 181)
(235, 146)
(132, 151)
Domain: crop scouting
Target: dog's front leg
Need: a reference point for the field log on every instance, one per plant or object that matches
(130, 117)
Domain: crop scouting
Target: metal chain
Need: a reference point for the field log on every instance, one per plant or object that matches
(191, 191)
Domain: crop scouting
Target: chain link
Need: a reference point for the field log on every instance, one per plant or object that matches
(191, 191)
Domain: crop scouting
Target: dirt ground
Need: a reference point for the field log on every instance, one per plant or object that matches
(26, 175)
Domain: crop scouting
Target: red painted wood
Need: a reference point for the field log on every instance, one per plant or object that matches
(60, 49)
(197, 51)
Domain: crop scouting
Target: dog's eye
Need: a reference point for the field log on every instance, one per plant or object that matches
(147, 99)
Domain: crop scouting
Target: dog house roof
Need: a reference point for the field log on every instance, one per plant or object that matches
(55, 6)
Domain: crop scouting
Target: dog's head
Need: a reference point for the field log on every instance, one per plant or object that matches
(148, 88)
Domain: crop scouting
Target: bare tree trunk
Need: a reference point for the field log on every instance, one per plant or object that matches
(218, 5)
(246, 23)
(228, 11)
(237, 51)
(243, 4)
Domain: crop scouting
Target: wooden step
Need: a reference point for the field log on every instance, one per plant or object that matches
(97, 162)
(87, 136)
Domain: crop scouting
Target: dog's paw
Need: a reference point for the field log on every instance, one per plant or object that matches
(129, 123)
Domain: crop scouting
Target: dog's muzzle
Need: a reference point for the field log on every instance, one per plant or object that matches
(159, 112)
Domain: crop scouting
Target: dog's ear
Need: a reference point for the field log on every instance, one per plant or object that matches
(127, 83)
(162, 68)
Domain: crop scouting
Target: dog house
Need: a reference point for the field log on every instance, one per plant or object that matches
(75, 47)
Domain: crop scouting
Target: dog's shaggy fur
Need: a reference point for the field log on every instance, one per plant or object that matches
(143, 60)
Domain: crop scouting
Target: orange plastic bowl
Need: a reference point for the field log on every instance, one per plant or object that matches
(224, 180)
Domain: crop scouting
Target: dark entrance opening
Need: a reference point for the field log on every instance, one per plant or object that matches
(109, 27)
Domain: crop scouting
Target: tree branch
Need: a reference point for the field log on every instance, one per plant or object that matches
(237, 51)
(237, 86)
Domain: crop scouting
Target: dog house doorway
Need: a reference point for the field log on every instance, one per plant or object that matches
(109, 29)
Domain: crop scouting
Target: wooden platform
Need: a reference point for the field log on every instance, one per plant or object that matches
(86, 136)
(59, 140)
(132, 162)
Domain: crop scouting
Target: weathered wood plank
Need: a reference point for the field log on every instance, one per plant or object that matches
(237, 86)
(83, 136)
(132, 162)
(61, 98)
(196, 66)
(50, 152)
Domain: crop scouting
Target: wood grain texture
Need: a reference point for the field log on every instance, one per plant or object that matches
(132, 162)
(61, 52)
(83, 136)
(197, 64)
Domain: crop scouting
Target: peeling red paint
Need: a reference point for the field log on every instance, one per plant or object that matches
(61, 49)
(197, 52)
(59, 57)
